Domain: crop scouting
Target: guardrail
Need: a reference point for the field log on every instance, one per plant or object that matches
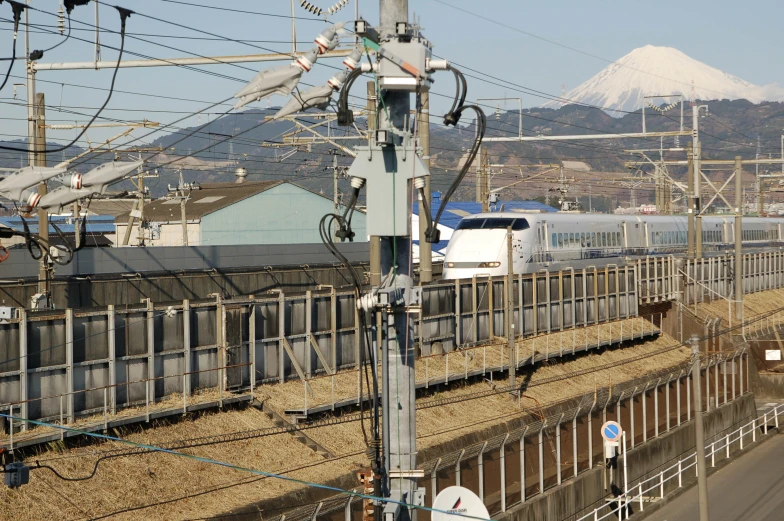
(656, 484)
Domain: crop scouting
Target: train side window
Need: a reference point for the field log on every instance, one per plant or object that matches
(593, 239)
(604, 239)
(620, 239)
(612, 238)
(582, 239)
(560, 240)
(555, 240)
(571, 240)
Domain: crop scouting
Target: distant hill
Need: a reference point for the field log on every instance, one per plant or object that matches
(731, 128)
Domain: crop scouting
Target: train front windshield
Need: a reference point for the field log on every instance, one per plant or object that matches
(493, 223)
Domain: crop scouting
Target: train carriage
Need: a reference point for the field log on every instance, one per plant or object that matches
(576, 240)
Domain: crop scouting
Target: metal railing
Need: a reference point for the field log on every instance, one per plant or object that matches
(653, 488)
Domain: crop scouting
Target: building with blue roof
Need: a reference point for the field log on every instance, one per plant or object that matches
(456, 210)
(100, 229)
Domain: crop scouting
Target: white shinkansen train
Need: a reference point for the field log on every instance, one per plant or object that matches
(555, 241)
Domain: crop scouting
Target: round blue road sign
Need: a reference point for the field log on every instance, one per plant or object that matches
(611, 431)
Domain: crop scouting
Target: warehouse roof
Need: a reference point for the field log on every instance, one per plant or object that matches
(113, 207)
(210, 198)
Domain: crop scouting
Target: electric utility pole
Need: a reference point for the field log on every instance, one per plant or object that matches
(702, 476)
(399, 400)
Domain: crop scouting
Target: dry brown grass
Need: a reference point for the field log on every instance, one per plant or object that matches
(345, 386)
(753, 304)
(138, 480)
(173, 401)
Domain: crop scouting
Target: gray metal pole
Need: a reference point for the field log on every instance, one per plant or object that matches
(400, 397)
(425, 248)
(510, 332)
(738, 240)
(690, 201)
(702, 476)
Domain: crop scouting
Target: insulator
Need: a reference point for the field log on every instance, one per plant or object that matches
(61, 20)
(337, 7)
(76, 181)
(311, 8)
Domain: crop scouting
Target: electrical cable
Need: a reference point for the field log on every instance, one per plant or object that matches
(55, 46)
(124, 14)
(433, 234)
(17, 9)
(231, 466)
(11, 64)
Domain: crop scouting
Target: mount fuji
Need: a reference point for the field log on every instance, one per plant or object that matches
(653, 70)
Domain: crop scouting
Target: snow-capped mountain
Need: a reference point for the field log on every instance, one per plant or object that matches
(652, 70)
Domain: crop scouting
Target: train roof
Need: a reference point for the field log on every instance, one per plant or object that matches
(555, 217)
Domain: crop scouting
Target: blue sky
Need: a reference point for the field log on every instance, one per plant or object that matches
(742, 40)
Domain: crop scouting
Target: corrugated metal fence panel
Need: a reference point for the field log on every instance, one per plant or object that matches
(292, 335)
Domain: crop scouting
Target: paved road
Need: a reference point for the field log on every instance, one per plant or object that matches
(750, 488)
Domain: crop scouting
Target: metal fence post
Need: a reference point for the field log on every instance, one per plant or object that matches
(457, 467)
(150, 355)
(111, 344)
(69, 360)
(558, 451)
(481, 464)
(502, 457)
(252, 352)
(23, 365)
(434, 478)
(541, 459)
(522, 465)
(186, 345)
